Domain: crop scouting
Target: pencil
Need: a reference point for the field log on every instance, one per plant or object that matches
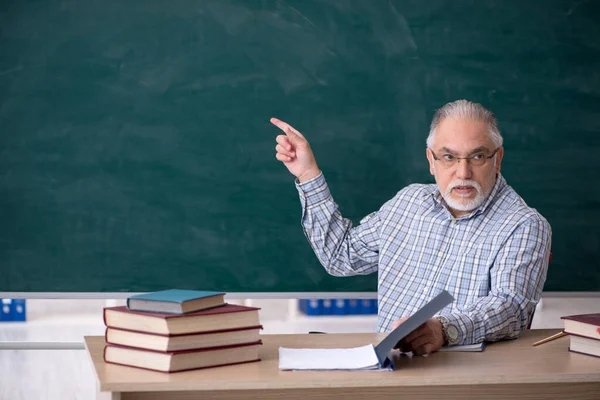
(556, 336)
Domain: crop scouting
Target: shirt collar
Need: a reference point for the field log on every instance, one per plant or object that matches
(438, 199)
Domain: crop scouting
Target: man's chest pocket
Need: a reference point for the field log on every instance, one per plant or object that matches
(468, 268)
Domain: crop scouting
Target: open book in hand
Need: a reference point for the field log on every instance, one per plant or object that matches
(367, 357)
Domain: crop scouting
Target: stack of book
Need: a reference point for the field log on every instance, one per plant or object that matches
(180, 330)
(584, 333)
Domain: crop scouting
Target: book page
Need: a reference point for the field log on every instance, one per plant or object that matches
(358, 358)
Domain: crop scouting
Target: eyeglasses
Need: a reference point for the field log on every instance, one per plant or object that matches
(476, 160)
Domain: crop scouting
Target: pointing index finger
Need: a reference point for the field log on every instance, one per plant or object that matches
(285, 127)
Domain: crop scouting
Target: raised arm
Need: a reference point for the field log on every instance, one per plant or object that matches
(341, 248)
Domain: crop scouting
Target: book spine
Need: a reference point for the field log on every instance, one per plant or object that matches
(339, 307)
(326, 306)
(352, 306)
(312, 307)
(19, 310)
(364, 306)
(6, 313)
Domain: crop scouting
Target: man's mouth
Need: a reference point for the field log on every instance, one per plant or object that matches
(463, 190)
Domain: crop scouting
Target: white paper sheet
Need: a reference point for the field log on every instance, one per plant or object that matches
(465, 347)
(357, 359)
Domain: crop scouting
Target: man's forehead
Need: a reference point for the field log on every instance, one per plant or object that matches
(462, 135)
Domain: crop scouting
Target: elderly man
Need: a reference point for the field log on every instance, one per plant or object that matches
(470, 234)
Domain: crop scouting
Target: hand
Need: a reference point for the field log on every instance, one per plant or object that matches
(427, 338)
(295, 152)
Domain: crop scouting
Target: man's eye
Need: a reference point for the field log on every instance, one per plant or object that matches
(448, 157)
(478, 157)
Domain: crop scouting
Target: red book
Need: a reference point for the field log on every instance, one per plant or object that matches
(221, 318)
(584, 333)
(186, 341)
(178, 361)
(586, 325)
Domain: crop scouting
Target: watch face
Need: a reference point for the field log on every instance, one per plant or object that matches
(452, 332)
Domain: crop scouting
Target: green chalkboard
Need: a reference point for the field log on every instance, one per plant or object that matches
(136, 152)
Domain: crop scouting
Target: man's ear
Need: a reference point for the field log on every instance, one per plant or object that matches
(431, 160)
(499, 156)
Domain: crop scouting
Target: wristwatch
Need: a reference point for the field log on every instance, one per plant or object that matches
(450, 331)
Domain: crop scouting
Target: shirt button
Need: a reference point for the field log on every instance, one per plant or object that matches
(454, 221)
(440, 254)
(426, 290)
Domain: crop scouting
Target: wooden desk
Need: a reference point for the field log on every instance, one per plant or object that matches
(512, 369)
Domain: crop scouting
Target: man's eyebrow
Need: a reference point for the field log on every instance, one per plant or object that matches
(479, 149)
(447, 150)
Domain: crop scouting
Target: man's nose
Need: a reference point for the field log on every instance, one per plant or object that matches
(463, 169)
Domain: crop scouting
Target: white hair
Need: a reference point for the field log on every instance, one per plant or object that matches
(464, 109)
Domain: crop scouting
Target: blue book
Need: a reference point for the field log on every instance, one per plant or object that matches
(176, 301)
(326, 306)
(339, 307)
(374, 306)
(364, 306)
(312, 307)
(18, 310)
(6, 310)
(352, 306)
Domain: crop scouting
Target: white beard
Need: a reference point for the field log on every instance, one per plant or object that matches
(465, 203)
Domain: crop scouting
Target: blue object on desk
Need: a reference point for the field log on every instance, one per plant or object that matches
(339, 306)
(6, 310)
(364, 306)
(19, 310)
(374, 307)
(326, 306)
(12, 310)
(310, 306)
(352, 306)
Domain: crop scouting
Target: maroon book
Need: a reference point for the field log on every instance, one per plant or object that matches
(586, 325)
(179, 361)
(187, 341)
(215, 319)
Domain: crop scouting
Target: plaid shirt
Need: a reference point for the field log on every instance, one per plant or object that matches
(493, 260)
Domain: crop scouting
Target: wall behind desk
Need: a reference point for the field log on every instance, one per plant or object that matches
(136, 152)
